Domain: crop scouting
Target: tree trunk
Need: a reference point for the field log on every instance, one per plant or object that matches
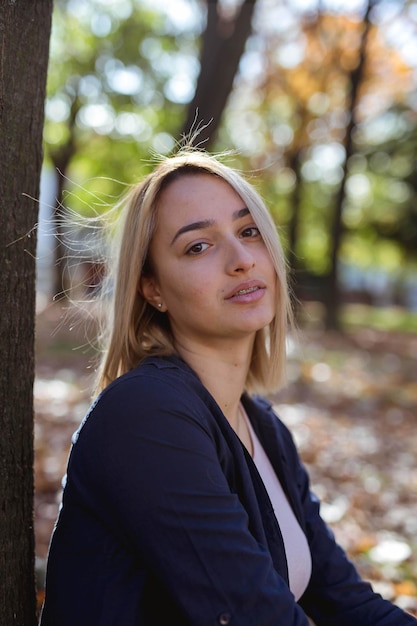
(332, 296)
(24, 42)
(294, 163)
(223, 44)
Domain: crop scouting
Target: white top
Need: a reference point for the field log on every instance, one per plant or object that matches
(295, 542)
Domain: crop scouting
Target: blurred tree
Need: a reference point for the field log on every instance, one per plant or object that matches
(22, 92)
(223, 43)
(355, 78)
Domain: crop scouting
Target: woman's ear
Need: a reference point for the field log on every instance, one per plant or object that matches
(149, 289)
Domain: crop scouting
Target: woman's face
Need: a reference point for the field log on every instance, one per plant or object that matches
(211, 269)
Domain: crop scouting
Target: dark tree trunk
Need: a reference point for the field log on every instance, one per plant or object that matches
(293, 230)
(222, 47)
(24, 43)
(293, 227)
(332, 295)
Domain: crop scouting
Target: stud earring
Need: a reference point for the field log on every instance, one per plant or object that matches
(159, 305)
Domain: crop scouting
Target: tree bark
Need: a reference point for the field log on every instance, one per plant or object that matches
(332, 296)
(294, 163)
(24, 43)
(222, 47)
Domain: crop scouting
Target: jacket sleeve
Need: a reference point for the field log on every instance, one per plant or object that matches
(154, 470)
(336, 594)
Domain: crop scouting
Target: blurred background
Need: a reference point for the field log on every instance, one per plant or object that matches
(317, 103)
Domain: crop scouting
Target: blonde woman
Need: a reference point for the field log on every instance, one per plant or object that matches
(185, 500)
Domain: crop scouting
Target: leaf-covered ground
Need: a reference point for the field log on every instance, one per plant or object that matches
(351, 404)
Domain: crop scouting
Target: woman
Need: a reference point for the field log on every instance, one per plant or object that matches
(185, 500)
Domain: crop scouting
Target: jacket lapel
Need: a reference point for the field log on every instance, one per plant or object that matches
(267, 428)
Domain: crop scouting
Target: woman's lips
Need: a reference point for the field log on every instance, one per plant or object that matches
(247, 292)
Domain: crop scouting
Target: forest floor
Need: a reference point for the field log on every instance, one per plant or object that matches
(351, 404)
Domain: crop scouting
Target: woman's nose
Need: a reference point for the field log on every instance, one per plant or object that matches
(240, 258)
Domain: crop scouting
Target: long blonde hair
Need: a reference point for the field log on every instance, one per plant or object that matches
(137, 329)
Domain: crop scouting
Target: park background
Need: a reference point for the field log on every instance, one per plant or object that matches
(316, 101)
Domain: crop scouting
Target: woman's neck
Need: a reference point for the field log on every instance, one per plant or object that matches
(222, 372)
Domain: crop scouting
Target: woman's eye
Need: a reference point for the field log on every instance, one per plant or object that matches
(251, 231)
(197, 248)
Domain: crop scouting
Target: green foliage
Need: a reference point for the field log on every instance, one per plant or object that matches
(387, 319)
(392, 166)
(118, 78)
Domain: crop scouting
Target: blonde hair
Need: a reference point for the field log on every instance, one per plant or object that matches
(137, 329)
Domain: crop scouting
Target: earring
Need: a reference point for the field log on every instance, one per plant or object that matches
(159, 305)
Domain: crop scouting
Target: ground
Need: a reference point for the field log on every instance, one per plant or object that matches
(351, 404)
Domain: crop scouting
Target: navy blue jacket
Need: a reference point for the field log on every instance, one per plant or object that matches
(165, 519)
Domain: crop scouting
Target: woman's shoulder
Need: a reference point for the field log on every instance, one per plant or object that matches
(158, 386)
(155, 375)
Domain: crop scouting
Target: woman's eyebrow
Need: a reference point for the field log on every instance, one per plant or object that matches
(240, 213)
(193, 226)
(201, 224)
